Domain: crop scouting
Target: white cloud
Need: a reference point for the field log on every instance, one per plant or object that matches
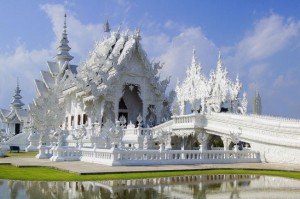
(25, 65)
(256, 57)
(270, 35)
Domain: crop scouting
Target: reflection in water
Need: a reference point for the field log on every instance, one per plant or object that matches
(201, 186)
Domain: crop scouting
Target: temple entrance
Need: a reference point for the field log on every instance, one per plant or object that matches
(130, 104)
(17, 128)
(123, 110)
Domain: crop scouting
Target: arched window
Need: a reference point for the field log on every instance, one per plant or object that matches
(78, 119)
(72, 120)
(85, 118)
(67, 121)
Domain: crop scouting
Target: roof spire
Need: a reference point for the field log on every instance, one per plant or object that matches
(194, 59)
(219, 64)
(257, 106)
(63, 47)
(106, 27)
(220, 55)
(16, 102)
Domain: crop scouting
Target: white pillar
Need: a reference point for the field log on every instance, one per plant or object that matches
(145, 110)
(116, 109)
(226, 142)
(182, 143)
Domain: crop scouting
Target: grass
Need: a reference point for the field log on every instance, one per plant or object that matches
(50, 174)
(22, 154)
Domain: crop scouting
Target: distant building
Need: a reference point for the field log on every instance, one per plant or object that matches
(257, 108)
(13, 120)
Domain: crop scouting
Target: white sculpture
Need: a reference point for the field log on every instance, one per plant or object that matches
(212, 93)
(235, 138)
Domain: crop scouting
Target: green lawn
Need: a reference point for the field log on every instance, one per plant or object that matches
(49, 174)
(22, 154)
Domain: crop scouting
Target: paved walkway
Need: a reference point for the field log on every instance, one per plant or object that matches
(92, 168)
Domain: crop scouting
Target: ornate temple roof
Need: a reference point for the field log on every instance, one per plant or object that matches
(17, 110)
(101, 69)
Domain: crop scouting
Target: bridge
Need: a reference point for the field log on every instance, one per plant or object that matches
(277, 139)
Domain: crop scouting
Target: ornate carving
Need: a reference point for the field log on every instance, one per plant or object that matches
(209, 94)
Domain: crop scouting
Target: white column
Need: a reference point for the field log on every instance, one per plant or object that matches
(102, 104)
(182, 143)
(226, 142)
(158, 113)
(116, 109)
(145, 110)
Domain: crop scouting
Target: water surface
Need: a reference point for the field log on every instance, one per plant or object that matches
(185, 187)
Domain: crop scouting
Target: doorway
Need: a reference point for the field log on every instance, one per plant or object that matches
(17, 128)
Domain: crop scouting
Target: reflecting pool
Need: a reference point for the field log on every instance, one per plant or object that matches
(196, 186)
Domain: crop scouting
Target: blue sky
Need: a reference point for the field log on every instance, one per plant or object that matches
(259, 40)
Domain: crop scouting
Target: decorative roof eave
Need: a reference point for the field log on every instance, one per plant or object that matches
(4, 113)
(41, 87)
(89, 98)
(48, 79)
(80, 94)
(53, 67)
(12, 115)
(70, 90)
(30, 106)
(22, 114)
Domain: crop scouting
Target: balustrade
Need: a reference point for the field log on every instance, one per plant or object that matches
(152, 157)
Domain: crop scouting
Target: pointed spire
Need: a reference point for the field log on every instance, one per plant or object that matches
(16, 102)
(194, 59)
(106, 27)
(219, 64)
(257, 106)
(244, 103)
(195, 66)
(63, 48)
(137, 34)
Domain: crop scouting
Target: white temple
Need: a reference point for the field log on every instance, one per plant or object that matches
(113, 109)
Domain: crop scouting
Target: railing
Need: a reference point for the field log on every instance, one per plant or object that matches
(102, 156)
(45, 152)
(64, 153)
(138, 131)
(183, 119)
(157, 157)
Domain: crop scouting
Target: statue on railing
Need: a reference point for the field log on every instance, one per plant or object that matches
(140, 120)
(116, 134)
(164, 139)
(79, 134)
(105, 134)
(202, 138)
(111, 134)
(235, 138)
(94, 134)
(146, 142)
(33, 138)
(123, 121)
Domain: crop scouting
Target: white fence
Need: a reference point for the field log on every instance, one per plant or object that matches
(64, 153)
(157, 157)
